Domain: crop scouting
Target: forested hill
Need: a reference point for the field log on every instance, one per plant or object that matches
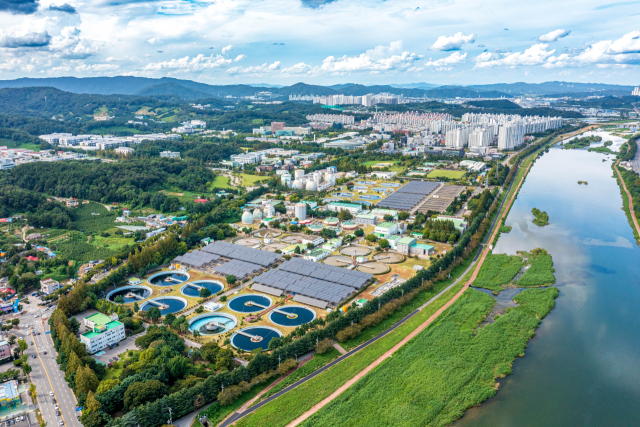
(134, 182)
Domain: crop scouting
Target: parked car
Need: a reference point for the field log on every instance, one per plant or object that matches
(33, 355)
(58, 413)
(50, 393)
(45, 352)
(61, 423)
(56, 408)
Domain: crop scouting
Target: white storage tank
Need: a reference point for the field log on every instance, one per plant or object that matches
(257, 215)
(312, 186)
(298, 185)
(301, 211)
(299, 173)
(247, 218)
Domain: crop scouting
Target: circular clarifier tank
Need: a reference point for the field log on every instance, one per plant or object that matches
(342, 194)
(366, 182)
(192, 289)
(382, 190)
(291, 315)
(140, 292)
(360, 187)
(213, 324)
(389, 184)
(165, 304)
(248, 339)
(249, 303)
(168, 278)
(370, 197)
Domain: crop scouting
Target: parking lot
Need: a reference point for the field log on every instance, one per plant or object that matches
(18, 421)
(123, 346)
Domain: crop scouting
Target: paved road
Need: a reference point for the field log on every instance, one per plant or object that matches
(235, 417)
(46, 374)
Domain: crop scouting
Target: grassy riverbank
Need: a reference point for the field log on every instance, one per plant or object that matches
(499, 271)
(450, 367)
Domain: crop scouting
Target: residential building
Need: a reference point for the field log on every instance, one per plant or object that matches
(5, 350)
(49, 286)
(103, 331)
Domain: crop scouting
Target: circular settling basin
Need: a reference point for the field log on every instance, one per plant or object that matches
(338, 261)
(248, 241)
(389, 184)
(213, 324)
(342, 194)
(296, 315)
(168, 278)
(366, 182)
(293, 239)
(332, 222)
(370, 197)
(192, 289)
(248, 339)
(373, 267)
(267, 233)
(245, 303)
(274, 247)
(360, 187)
(355, 250)
(165, 304)
(388, 257)
(382, 190)
(143, 292)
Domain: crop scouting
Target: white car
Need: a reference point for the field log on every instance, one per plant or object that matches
(50, 393)
(56, 407)
(61, 423)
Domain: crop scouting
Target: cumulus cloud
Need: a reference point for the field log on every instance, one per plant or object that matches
(553, 36)
(19, 6)
(188, 64)
(69, 44)
(97, 67)
(380, 58)
(25, 40)
(535, 55)
(454, 58)
(606, 53)
(226, 49)
(299, 68)
(256, 69)
(454, 42)
(629, 43)
(64, 8)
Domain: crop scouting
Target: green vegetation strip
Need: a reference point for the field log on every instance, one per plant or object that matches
(291, 405)
(498, 270)
(450, 367)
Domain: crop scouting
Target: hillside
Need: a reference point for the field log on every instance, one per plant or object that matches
(465, 92)
(555, 87)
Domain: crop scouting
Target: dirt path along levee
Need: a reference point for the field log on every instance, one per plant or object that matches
(624, 186)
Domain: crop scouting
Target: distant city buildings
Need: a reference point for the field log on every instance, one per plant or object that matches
(636, 91)
(365, 100)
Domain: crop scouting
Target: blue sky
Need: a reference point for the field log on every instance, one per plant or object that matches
(323, 41)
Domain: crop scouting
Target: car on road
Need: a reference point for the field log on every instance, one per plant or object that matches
(45, 352)
(57, 408)
(37, 333)
(22, 419)
(58, 413)
(61, 423)
(50, 393)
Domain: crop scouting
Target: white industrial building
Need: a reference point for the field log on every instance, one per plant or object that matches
(102, 331)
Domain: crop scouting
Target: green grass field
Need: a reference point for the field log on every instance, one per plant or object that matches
(249, 180)
(89, 223)
(374, 162)
(439, 173)
(498, 270)
(446, 369)
(220, 182)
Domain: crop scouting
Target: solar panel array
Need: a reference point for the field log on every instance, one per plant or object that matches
(320, 281)
(196, 258)
(296, 283)
(353, 278)
(407, 197)
(242, 253)
(237, 268)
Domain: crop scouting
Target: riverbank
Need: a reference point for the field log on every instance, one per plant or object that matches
(627, 179)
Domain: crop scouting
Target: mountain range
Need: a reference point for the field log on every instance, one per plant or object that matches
(191, 90)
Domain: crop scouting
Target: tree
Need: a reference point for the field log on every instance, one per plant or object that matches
(296, 250)
(231, 280)
(344, 215)
(136, 308)
(403, 215)
(119, 299)
(22, 344)
(169, 319)
(196, 333)
(92, 403)
(154, 314)
(106, 385)
(74, 325)
(12, 340)
(86, 380)
(33, 393)
(204, 293)
(371, 238)
(359, 232)
(388, 217)
(384, 243)
(142, 392)
(26, 369)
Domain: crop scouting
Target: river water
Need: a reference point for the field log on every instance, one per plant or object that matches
(583, 366)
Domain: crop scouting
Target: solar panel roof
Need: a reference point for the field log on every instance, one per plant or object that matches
(408, 196)
(242, 253)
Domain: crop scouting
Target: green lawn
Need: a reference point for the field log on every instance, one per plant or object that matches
(449, 367)
(221, 182)
(439, 173)
(249, 180)
(376, 162)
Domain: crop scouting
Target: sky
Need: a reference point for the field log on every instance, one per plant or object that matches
(324, 41)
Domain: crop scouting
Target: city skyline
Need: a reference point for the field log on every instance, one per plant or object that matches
(321, 42)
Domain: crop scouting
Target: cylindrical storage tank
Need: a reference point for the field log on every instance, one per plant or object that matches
(312, 186)
(299, 173)
(301, 211)
(247, 218)
(257, 214)
(297, 184)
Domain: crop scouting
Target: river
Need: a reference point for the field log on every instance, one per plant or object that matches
(583, 366)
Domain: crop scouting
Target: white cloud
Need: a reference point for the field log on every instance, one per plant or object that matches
(629, 43)
(454, 58)
(380, 58)
(239, 57)
(603, 54)
(28, 40)
(69, 44)
(535, 55)
(226, 49)
(553, 35)
(188, 64)
(454, 42)
(299, 68)
(257, 69)
(97, 67)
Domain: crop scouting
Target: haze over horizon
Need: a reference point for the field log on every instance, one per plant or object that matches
(322, 41)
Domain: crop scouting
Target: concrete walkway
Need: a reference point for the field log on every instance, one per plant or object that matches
(339, 348)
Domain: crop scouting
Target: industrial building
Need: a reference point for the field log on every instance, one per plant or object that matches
(103, 331)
